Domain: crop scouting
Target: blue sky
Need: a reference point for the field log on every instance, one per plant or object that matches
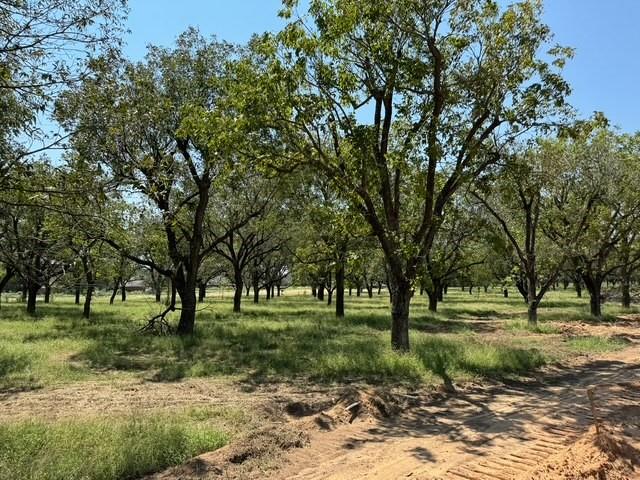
(604, 73)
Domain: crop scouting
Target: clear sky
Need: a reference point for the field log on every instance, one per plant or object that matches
(605, 33)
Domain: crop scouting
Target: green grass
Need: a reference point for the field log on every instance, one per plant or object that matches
(288, 339)
(523, 326)
(593, 344)
(103, 449)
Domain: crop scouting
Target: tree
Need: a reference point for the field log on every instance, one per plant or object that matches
(445, 83)
(455, 250)
(32, 245)
(46, 46)
(143, 124)
(516, 201)
(596, 203)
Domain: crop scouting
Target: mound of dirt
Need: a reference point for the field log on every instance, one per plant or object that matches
(247, 457)
(354, 404)
(608, 455)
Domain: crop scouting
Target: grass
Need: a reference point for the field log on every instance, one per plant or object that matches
(523, 326)
(289, 339)
(593, 344)
(103, 449)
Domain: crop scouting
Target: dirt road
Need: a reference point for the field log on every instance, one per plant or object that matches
(500, 432)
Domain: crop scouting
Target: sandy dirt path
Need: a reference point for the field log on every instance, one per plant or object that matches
(500, 433)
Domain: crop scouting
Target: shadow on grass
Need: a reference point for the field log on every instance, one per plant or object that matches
(286, 340)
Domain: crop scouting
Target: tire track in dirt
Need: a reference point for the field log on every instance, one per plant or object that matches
(493, 433)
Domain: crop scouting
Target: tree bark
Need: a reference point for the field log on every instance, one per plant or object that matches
(594, 287)
(432, 293)
(114, 292)
(626, 288)
(340, 290)
(47, 293)
(6, 278)
(401, 298)
(77, 299)
(321, 292)
(32, 294)
(86, 310)
(158, 292)
(577, 284)
(237, 295)
(123, 292)
(532, 301)
(187, 291)
(433, 300)
(90, 278)
(202, 291)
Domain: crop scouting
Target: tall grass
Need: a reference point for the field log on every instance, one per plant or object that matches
(102, 449)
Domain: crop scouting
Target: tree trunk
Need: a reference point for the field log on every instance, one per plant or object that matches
(433, 300)
(594, 286)
(441, 294)
(329, 296)
(321, 292)
(314, 291)
(370, 290)
(358, 290)
(77, 299)
(268, 289)
(32, 294)
(47, 293)
(379, 288)
(340, 290)
(90, 278)
(532, 314)
(25, 292)
(532, 301)
(401, 299)
(86, 311)
(350, 290)
(158, 289)
(7, 277)
(123, 292)
(187, 292)
(278, 289)
(202, 291)
(626, 288)
(432, 293)
(237, 295)
(273, 290)
(114, 292)
(577, 284)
